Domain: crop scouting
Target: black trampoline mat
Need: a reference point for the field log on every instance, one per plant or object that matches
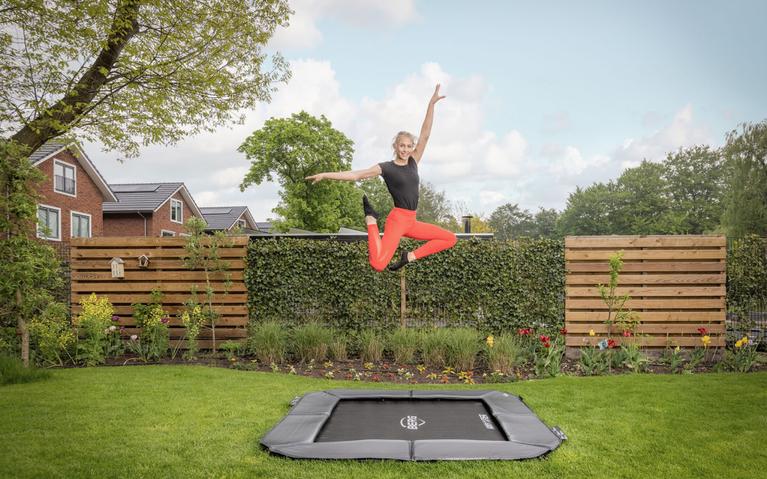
(410, 419)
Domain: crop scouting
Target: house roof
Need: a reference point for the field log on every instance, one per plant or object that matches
(52, 147)
(147, 197)
(224, 217)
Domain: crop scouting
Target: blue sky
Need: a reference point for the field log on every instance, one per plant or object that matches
(541, 96)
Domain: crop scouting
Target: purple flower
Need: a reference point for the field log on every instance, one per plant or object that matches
(122, 328)
(115, 318)
(165, 320)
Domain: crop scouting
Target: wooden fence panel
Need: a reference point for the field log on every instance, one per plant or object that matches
(676, 284)
(90, 260)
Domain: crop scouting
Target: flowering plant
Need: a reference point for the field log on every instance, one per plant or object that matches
(93, 327)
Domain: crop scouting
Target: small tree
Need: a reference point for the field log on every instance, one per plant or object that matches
(202, 254)
(29, 269)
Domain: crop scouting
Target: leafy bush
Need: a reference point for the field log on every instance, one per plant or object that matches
(193, 318)
(310, 342)
(268, 341)
(504, 353)
(93, 328)
(461, 348)
(371, 346)
(403, 344)
(12, 371)
(53, 335)
(594, 362)
(152, 342)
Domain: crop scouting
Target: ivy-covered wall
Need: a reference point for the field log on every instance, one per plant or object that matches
(747, 274)
(493, 285)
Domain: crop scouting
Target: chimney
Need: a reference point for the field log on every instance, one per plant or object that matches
(467, 223)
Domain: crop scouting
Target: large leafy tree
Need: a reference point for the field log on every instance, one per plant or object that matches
(745, 200)
(589, 210)
(434, 207)
(641, 201)
(510, 221)
(694, 180)
(289, 150)
(127, 72)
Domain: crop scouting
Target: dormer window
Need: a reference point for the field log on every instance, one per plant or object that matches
(176, 211)
(64, 178)
(241, 224)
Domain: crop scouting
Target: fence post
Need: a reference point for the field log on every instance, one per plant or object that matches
(402, 298)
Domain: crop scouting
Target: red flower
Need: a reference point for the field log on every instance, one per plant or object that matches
(627, 333)
(563, 331)
(610, 343)
(546, 345)
(545, 339)
(525, 331)
(703, 331)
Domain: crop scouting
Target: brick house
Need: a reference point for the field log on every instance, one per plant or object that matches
(229, 218)
(72, 194)
(149, 209)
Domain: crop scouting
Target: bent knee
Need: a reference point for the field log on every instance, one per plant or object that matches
(378, 266)
(452, 240)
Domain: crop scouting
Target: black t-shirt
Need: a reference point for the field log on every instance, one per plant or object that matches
(402, 182)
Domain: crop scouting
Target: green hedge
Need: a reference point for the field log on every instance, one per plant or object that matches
(494, 286)
(747, 274)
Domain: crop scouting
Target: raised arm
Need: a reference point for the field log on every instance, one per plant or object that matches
(374, 170)
(423, 138)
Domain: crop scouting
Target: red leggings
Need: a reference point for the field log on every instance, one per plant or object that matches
(399, 223)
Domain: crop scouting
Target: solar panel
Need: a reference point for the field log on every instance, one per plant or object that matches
(217, 211)
(145, 188)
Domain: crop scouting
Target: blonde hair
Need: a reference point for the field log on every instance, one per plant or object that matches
(412, 137)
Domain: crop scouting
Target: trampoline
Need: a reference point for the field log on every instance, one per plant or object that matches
(411, 426)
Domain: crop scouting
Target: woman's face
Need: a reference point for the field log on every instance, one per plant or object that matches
(404, 147)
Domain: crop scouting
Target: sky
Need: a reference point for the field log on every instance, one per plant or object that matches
(541, 96)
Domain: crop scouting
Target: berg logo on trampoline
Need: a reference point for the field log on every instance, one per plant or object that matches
(411, 422)
(486, 421)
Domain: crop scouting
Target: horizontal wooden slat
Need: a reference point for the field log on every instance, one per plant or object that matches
(121, 241)
(173, 309)
(596, 255)
(224, 253)
(653, 341)
(232, 321)
(221, 332)
(117, 298)
(82, 276)
(626, 279)
(647, 266)
(650, 328)
(649, 241)
(670, 291)
(667, 304)
(99, 288)
(131, 264)
(652, 316)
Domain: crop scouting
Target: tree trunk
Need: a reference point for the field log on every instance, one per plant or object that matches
(67, 110)
(23, 330)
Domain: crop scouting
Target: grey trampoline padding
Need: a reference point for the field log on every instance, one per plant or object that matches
(410, 425)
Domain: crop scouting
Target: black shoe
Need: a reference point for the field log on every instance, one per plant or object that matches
(402, 262)
(369, 211)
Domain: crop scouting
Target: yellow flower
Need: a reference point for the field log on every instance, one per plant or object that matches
(490, 341)
(677, 349)
(592, 332)
(706, 340)
(738, 343)
(745, 340)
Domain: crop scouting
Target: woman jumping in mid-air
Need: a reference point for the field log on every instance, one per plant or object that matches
(401, 177)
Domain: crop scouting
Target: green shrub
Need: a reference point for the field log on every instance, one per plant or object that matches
(53, 335)
(594, 362)
(434, 347)
(153, 341)
(506, 353)
(93, 327)
(268, 341)
(12, 371)
(310, 342)
(462, 346)
(371, 346)
(403, 344)
(338, 346)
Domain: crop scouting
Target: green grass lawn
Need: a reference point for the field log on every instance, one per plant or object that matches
(187, 421)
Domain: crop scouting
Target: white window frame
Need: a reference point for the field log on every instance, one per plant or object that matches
(74, 168)
(180, 210)
(242, 223)
(39, 233)
(72, 222)
(163, 235)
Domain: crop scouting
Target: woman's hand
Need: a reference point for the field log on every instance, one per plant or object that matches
(315, 178)
(436, 96)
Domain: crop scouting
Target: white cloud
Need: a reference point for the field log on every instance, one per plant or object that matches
(567, 161)
(303, 31)
(681, 132)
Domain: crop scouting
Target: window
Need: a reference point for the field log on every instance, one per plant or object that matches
(81, 225)
(241, 224)
(48, 222)
(167, 233)
(64, 180)
(176, 213)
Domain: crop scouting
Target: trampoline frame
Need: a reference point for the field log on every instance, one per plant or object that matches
(527, 436)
